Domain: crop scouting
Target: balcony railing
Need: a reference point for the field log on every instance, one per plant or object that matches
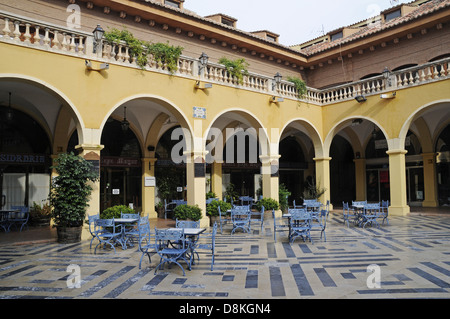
(44, 36)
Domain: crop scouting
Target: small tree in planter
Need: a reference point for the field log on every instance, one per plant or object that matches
(69, 195)
(268, 203)
(188, 212)
(212, 209)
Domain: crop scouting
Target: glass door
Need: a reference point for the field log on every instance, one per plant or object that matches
(415, 184)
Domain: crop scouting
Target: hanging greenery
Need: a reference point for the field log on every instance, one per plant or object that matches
(236, 68)
(163, 53)
(299, 84)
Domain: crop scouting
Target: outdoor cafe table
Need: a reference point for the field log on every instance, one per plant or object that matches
(123, 223)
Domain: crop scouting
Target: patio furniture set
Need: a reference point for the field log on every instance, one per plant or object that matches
(173, 245)
(301, 220)
(361, 213)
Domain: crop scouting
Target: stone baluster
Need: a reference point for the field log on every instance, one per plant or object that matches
(72, 44)
(37, 36)
(27, 34)
(56, 42)
(6, 30)
(16, 31)
(80, 47)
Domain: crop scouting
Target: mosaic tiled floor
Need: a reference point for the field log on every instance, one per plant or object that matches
(412, 258)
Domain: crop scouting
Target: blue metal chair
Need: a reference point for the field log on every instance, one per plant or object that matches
(279, 225)
(246, 201)
(19, 217)
(130, 231)
(371, 213)
(240, 217)
(319, 222)
(223, 219)
(92, 228)
(385, 211)
(144, 243)
(209, 246)
(300, 222)
(168, 252)
(348, 214)
(106, 233)
(260, 217)
(187, 224)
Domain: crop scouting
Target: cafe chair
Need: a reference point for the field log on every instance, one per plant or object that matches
(92, 228)
(145, 245)
(223, 219)
(168, 253)
(187, 224)
(241, 218)
(203, 245)
(279, 225)
(385, 211)
(106, 233)
(19, 217)
(371, 213)
(300, 223)
(348, 213)
(260, 217)
(319, 223)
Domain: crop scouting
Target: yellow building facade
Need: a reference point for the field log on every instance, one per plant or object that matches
(395, 132)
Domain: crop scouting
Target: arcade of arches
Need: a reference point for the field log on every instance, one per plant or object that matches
(355, 161)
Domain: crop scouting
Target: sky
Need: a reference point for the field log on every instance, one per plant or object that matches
(296, 21)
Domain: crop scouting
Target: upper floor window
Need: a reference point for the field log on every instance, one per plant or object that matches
(336, 36)
(173, 3)
(393, 15)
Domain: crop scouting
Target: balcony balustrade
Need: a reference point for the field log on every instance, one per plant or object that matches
(34, 34)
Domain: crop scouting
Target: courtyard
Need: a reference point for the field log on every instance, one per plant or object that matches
(411, 257)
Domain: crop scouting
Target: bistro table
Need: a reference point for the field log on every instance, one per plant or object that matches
(123, 237)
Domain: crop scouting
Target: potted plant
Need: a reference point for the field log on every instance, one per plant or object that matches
(40, 215)
(268, 203)
(69, 195)
(188, 212)
(116, 211)
(160, 209)
(212, 210)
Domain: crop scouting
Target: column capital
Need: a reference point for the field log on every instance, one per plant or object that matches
(396, 152)
(322, 159)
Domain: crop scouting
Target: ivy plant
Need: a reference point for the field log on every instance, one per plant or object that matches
(236, 68)
(162, 52)
(299, 84)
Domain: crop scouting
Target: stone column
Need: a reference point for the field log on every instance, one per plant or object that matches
(323, 177)
(397, 177)
(148, 187)
(360, 178)
(196, 182)
(430, 180)
(270, 176)
(91, 153)
(216, 179)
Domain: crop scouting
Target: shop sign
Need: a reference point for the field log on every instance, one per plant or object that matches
(120, 162)
(36, 159)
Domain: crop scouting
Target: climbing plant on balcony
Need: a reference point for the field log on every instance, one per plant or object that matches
(299, 84)
(163, 53)
(236, 68)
